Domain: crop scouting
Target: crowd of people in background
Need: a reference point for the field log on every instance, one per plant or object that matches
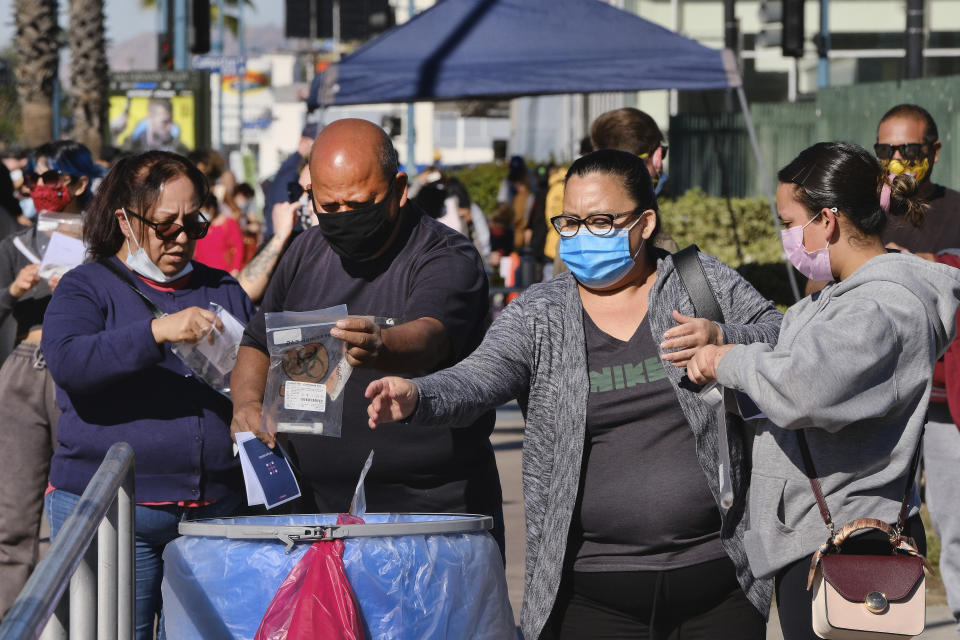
(629, 532)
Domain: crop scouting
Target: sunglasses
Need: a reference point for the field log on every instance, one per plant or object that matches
(294, 191)
(50, 177)
(663, 156)
(195, 228)
(911, 151)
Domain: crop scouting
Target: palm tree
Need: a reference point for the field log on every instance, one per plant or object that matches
(88, 72)
(38, 57)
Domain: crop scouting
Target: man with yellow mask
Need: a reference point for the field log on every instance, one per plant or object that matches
(907, 143)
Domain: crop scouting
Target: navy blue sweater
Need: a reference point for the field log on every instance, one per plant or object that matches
(115, 383)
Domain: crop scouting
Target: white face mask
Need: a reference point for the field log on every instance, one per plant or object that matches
(28, 209)
(141, 263)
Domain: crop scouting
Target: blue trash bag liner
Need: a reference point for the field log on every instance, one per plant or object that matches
(416, 587)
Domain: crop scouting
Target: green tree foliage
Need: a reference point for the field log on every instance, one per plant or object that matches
(10, 125)
(482, 182)
(695, 218)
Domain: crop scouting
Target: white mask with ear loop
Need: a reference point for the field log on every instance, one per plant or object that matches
(141, 263)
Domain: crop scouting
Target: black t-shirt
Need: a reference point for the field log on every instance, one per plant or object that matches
(645, 504)
(429, 271)
(940, 228)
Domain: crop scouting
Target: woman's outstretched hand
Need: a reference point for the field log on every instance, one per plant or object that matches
(391, 399)
(690, 334)
(702, 367)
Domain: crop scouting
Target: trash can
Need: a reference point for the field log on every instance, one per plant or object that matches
(415, 576)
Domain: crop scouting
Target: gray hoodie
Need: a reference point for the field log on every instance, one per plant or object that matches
(852, 366)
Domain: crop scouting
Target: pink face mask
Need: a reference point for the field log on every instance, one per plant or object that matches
(815, 265)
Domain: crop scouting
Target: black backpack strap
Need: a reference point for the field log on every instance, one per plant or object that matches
(127, 280)
(694, 279)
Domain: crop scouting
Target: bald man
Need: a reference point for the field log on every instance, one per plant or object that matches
(381, 256)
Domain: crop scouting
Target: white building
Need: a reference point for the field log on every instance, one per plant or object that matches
(867, 39)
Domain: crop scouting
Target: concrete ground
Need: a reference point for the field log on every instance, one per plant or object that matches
(508, 440)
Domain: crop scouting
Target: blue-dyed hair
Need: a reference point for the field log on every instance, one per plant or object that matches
(72, 158)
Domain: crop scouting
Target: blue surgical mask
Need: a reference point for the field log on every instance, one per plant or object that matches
(599, 261)
(141, 263)
(662, 180)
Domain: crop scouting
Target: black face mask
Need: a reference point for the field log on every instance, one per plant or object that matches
(358, 234)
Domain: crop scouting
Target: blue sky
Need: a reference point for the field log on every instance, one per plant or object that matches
(125, 17)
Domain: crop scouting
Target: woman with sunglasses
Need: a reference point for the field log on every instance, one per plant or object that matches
(107, 342)
(60, 176)
(625, 538)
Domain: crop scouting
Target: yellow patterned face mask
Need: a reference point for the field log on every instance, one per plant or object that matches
(918, 170)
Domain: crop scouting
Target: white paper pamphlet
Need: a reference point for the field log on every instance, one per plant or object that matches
(267, 473)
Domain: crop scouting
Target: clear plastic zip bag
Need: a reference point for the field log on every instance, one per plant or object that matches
(308, 372)
(60, 242)
(213, 357)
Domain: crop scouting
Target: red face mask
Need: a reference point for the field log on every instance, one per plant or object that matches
(50, 198)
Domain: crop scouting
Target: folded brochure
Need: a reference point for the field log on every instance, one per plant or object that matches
(266, 472)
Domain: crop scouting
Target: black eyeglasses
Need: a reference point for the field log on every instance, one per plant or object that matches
(910, 151)
(195, 228)
(294, 191)
(599, 224)
(49, 177)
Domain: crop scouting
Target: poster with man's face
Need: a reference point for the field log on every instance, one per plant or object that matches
(142, 123)
(165, 110)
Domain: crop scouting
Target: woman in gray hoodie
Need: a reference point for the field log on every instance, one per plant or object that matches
(852, 368)
(625, 538)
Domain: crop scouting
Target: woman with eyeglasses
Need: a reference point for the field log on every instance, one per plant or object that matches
(60, 176)
(107, 341)
(625, 538)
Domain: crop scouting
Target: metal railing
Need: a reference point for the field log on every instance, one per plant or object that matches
(101, 577)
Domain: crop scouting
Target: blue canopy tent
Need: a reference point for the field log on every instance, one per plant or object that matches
(505, 48)
(508, 48)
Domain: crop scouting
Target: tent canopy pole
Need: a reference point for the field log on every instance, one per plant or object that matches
(765, 180)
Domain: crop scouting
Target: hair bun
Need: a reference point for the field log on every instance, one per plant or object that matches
(905, 200)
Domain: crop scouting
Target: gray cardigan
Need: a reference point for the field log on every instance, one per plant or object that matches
(535, 352)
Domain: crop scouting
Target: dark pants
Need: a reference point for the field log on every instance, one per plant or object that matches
(701, 601)
(794, 602)
(27, 438)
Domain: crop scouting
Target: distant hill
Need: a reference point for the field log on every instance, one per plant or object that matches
(140, 51)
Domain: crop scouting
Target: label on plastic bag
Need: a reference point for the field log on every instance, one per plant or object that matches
(304, 396)
(286, 336)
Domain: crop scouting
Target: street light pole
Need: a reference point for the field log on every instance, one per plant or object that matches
(411, 131)
(914, 36)
(219, 49)
(823, 45)
(241, 72)
(180, 34)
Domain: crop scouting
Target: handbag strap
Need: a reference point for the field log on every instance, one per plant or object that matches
(694, 280)
(818, 491)
(127, 280)
(899, 543)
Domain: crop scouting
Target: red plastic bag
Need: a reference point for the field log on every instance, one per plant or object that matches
(315, 600)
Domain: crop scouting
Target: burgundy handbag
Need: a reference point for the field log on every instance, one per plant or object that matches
(866, 597)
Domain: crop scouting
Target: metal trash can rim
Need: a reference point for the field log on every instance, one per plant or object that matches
(291, 534)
